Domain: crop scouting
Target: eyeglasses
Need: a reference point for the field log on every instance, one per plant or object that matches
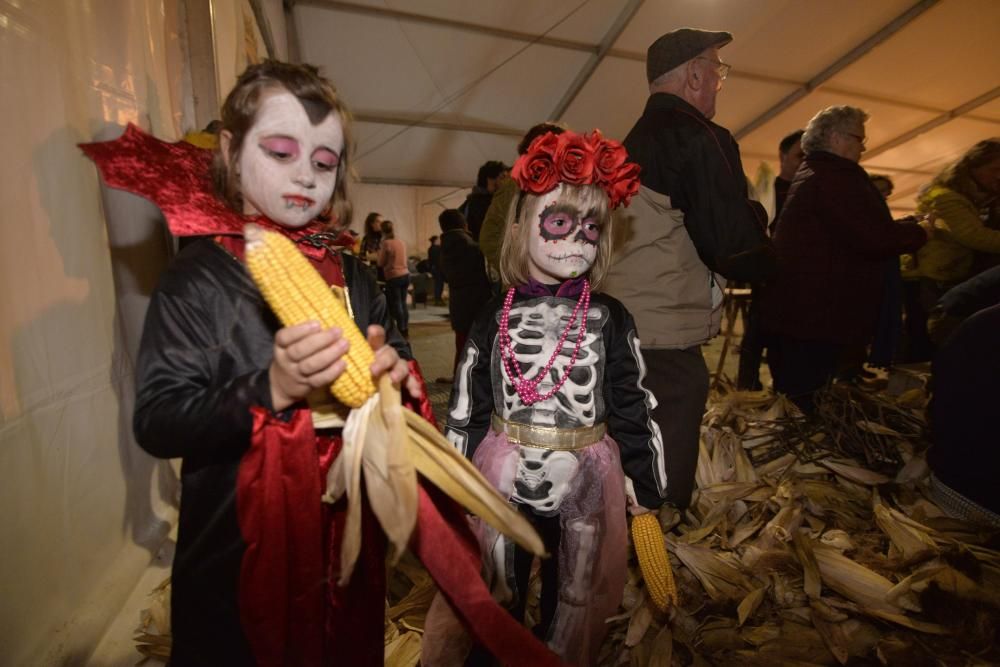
(720, 67)
(861, 139)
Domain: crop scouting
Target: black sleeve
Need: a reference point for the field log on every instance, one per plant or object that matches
(369, 304)
(629, 404)
(471, 404)
(727, 228)
(187, 403)
(854, 212)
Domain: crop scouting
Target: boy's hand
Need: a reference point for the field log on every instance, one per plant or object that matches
(305, 357)
(387, 360)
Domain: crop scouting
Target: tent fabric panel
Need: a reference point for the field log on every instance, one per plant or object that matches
(586, 23)
(990, 111)
(367, 58)
(420, 61)
(617, 79)
(86, 509)
(765, 32)
(915, 65)
(428, 154)
(938, 147)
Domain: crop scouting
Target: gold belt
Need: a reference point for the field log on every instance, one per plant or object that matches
(549, 437)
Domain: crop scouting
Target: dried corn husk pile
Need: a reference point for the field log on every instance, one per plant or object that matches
(811, 542)
(807, 543)
(152, 636)
(411, 590)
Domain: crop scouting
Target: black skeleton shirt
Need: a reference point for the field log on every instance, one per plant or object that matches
(605, 384)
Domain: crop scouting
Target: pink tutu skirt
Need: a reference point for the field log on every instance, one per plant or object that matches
(593, 546)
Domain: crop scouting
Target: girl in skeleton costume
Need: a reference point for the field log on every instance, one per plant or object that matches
(548, 398)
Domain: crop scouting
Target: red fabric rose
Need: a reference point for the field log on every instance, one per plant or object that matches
(536, 171)
(575, 159)
(578, 160)
(609, 156)
(624, 185)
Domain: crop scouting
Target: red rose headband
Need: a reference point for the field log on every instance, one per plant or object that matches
(577, 159)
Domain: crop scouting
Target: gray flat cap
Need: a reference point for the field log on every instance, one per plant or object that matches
(679, 46)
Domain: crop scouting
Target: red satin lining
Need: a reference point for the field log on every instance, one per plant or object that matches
(447, 548)
(422, 406)
(290, 609)
(282, 576)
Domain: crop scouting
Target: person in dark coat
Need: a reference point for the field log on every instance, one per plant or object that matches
(477, 203)
(434, 268)
(790, 156)
(752, 346)
(966, 389)
(465, 272)
(832, 238)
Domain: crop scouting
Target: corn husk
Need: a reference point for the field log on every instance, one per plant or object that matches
(749, 604)
(404, 651)
(721, 576)
(820, 553)
(912, 543)
(854, 581)
(748, 596)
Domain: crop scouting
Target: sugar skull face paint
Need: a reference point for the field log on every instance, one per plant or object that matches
(562, 239)
(288, 166)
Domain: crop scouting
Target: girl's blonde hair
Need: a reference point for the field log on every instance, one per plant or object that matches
(514, 252)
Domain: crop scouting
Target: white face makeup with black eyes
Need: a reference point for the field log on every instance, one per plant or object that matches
(562, 240)
(288, 166)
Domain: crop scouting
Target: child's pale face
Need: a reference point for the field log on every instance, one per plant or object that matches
(288, 166)
(562, 239)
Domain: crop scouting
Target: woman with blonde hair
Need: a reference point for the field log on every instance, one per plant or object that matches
(956, 203)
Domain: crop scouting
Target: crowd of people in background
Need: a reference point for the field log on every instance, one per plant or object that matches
(840, 289)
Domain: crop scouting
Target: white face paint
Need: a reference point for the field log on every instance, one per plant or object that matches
(288, 166)
(562, 240)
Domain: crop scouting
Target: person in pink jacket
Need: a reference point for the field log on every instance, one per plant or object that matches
(392, 260)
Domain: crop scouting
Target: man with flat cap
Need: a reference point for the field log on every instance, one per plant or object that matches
(691, 228)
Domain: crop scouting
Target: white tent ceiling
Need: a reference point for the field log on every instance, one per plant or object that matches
(440, 86)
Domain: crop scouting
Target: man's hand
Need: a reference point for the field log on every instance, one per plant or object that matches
(305, 357)
(387, 360)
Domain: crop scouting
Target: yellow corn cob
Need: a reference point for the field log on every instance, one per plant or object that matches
(647, 538)
(297, 293)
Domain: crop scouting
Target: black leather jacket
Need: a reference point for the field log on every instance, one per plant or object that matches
(203, 363)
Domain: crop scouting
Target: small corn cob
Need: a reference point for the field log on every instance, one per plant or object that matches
(297, 293)
(653, 561)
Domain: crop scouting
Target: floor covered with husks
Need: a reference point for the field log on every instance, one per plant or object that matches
(808, 542)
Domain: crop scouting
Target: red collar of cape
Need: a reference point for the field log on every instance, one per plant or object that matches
(177, 178)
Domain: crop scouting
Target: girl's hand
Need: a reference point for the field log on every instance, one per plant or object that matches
(305, 357)
(636, 510)
(387, 360)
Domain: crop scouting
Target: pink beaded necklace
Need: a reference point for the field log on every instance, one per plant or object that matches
(528, 389)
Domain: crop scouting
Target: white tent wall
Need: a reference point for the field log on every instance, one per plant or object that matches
(85, 510)
(413, 210)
